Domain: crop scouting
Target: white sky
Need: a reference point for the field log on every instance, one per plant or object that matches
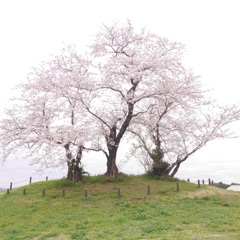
(32, 30)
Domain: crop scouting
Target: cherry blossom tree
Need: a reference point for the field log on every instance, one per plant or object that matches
(128, 83)
(48, 119)
(171, 132)
(133, 69)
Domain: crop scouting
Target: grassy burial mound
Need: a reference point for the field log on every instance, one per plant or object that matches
(130, 207)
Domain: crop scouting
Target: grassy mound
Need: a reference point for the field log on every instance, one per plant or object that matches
(130, 207)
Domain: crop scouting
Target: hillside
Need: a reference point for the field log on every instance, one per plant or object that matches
(131, 207)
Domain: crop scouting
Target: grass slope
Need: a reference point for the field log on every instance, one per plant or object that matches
(191, 213)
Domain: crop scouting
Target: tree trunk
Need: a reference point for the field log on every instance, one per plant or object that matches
(75, 171)
(112, 169)
(175, 170)
(175, 166)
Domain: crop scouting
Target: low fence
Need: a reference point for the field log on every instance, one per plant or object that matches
(31, 179)
(62, 192)
(26, 181)
(203, 182)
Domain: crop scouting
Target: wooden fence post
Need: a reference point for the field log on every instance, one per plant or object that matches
(119, 193)
(43, 192)
(63, 192)
(30, 180)
(212, 182)
(8, 191)
(47, 178)
(209, 181)
(198, 183)
(11, 185)
(203, 182)
(148, 190)
(178, 187)
(188, 180)
(24, 191)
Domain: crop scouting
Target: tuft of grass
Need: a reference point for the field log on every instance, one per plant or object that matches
(162, 213)
(151, 176)
(106, 179)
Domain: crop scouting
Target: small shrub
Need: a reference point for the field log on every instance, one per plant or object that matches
(106, 179)
(160, 168)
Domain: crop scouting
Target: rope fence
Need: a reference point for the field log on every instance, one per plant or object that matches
(27, 181)
(203, 182)
(118, 192)
(38, 179)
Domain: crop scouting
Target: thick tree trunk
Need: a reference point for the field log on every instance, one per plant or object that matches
(112, 169)
(115, 134)
(75, 171)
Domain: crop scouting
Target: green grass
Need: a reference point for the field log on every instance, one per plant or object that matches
(165, 213)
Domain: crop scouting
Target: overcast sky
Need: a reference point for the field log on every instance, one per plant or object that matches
(33, 30)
